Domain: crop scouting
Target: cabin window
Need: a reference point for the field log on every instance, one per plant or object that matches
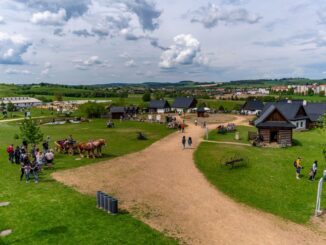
(301, 124)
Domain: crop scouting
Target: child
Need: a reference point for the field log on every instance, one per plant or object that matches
(25, 169)
(11, 153)
(298, 167)
(313, 170)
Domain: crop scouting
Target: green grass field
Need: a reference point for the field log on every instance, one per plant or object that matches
(268, 181)
(50, 213)
(230, 137)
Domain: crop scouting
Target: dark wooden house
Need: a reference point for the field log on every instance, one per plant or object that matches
(201, 112)
(159, 106)
(273, 126)
(252, 107)
(184, 104)
(294, 111)
(117, 112)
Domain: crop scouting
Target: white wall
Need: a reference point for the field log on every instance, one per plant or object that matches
(300, 124)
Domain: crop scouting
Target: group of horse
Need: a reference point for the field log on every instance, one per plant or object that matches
(92, 148)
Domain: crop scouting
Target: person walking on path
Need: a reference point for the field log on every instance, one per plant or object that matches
(189, 142)
(298, 167)
(182, 128)
(11, 153)
(313, 170)
(196, 122)
(184, 141)
(17, 155)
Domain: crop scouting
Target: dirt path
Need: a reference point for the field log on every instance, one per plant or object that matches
(161, 186)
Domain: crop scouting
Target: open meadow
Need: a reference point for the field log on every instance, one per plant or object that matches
(267, 181)
(51, 213)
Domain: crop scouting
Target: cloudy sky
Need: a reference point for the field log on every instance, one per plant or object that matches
(101, 41)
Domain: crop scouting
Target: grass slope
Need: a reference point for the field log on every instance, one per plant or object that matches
(50, 213)
(230, 137)
(268, 182)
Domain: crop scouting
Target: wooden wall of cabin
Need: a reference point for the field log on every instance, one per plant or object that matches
(285, 136)
(275, 116)
(265, 135)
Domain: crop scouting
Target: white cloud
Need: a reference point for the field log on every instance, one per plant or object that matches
(74, 8)
(12, 47)
(49, 18)
(2, 20)
(185, 51)
(212, 14)
(10, 71)
(46, 69)
(130, 63)
(93, 61)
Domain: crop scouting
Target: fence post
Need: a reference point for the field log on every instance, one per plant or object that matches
(98, 199)
(114, 206)
(318, 201)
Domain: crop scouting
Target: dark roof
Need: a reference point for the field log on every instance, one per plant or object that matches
(315, 110)
(159, 104)
(117, 109)
(253, 105)
(275, 124)
(289, 110)
(184, 102)
(260, 122)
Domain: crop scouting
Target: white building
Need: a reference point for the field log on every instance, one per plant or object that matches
(263, 91)
(21, 102)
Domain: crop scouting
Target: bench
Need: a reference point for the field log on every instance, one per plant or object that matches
(234, 162)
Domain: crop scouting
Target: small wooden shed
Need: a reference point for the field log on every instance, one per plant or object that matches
(117, 112)
(201, 112)
(273, 126)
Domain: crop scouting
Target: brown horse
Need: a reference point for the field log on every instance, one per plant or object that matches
(86, 147)
(64, 146)
(59, 145)
(98, 144)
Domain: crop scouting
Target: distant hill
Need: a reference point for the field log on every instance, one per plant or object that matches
(181, 84)
(273, 82)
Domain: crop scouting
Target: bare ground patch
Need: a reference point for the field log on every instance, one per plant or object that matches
(161, 186)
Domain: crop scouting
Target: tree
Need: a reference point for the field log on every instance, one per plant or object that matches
(310, 92)
(58, 97)
(92, 110)
(158, 95)
(221, 108)
(30, 132)
(10, 107)
(3, 106)
(147, 96)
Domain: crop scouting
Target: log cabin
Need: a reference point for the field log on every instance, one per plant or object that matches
(273, 126)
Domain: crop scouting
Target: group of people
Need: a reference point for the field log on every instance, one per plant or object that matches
(298, 167)
(31, 162)
(184, 142)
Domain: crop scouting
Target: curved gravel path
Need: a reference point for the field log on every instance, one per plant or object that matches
(162, 186)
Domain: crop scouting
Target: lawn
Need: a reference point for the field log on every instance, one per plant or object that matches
(230, 136)
(51, 213)
(228, 105)
(268, 181)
